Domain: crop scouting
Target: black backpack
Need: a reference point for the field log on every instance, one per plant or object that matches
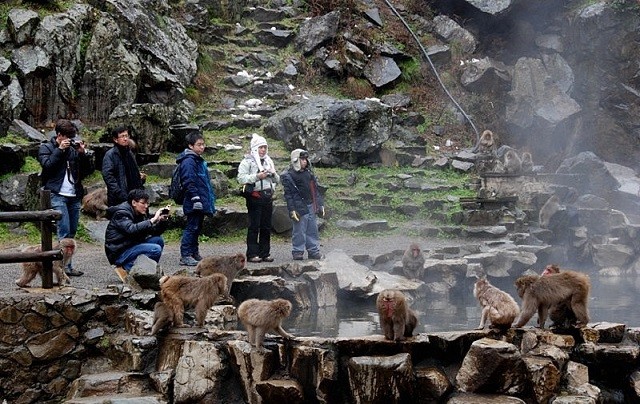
(176, 190)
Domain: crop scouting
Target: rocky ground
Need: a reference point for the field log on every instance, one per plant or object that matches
(91, 259)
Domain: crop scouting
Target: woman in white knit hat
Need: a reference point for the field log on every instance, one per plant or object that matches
(259, 178)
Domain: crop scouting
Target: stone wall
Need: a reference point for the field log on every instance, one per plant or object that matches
(84, 347)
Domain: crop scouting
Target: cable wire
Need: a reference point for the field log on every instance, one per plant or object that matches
(426, 55)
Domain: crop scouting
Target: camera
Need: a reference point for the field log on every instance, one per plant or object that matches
(270, 174)
(74, 143)
(164, 211)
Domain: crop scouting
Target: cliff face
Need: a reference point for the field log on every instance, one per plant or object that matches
(554, 78)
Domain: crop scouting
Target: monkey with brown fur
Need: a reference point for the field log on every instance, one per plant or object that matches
(487, 143)
(95, 203)
(162, 317)
(397, 320)
(541, 293)
(179, 292)
(497, 306)
(512, 162)
(31, 269)
(262, 316)
(228, 265)
(413, 262)
(561, 314)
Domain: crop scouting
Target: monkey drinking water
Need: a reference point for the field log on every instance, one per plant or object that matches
(397, 320)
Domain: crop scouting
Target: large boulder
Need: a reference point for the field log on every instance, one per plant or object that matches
(335, 132)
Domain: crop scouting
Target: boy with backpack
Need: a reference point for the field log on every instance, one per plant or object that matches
(199, 196)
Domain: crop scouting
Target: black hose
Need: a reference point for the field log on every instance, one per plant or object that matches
(426, 55)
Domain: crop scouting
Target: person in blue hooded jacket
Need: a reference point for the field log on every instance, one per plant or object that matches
(199, 198)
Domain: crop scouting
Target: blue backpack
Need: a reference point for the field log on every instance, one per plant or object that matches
(176, 190)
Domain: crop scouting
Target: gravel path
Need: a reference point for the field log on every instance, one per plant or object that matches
(91, 259)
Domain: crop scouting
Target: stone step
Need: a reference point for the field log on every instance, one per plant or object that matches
(120, 399)
(128, 384)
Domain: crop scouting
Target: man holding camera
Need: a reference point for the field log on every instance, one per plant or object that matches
(259, 178)
(131, 232)
(65, 162)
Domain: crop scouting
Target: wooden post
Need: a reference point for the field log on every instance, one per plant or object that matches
(46, 230)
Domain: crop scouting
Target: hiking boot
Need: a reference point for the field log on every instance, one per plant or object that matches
(316, 256)
(197, 257)
(298, 257)
(268, 258)
(73, 272)
(121, 272)
(255, 259)
(188, 261)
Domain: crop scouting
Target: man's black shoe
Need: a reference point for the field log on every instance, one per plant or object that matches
(73, 272)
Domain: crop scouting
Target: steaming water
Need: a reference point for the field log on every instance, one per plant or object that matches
(613, 299)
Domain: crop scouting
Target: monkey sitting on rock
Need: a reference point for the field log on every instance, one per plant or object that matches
(498, 307)
(397, 320)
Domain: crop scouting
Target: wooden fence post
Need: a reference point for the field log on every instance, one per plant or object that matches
(46, 240)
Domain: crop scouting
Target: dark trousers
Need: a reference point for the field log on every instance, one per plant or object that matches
(259, 232)
(189, 242)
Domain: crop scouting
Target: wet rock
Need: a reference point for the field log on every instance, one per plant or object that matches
(353, 278)
(278, 38)
(431, 383)
(381, 71)
(486, 75)
(450, 31)
(254, 366)
(387, 378)
(280, 391)
(492, 363)
(21, 24)
(53, 344)
(469, 398)
(545, 378)
(199, 372)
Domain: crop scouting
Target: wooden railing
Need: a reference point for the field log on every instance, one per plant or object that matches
(46, 218)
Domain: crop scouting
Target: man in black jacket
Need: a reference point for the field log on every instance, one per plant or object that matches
(65, 162)
(119, 168)
(131, 232)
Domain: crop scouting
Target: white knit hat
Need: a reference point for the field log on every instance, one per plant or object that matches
(256, 142)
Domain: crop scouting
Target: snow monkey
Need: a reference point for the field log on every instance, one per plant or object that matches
(413, 262)
(162, 317)
(487, 142)
(512, 162)
(397, 320)
(179, 292)
(541, 293)
(95, 203)
(228, 265)
(561, 314)
(262, 316)
(550, 207)
(527, 162)
(31, 269)
(497, 306)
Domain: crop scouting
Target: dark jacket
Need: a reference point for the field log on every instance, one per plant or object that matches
(196, 182)
(292, 194)
(117, 162)
(54, 166)
(126, 229)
